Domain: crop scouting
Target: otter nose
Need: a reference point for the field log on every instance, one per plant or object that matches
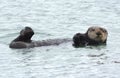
(98, 33)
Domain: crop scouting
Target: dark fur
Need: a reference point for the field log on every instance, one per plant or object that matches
(24, 40)
(83, 40)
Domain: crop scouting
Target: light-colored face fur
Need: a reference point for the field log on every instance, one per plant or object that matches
(97, 33)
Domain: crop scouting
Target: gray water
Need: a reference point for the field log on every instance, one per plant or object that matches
(59, 19)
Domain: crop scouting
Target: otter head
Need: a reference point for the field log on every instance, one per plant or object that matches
(26, 34)
(98, 34)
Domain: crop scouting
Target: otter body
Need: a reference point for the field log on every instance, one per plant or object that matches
(21, 44)
(24, 40)
(93, 36)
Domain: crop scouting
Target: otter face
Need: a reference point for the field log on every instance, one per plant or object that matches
(97, 34)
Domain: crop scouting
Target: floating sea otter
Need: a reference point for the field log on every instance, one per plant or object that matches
(94, 36)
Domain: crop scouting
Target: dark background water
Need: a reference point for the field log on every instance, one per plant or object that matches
(59, 19)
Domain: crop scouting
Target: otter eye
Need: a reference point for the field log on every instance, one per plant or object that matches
(92, 29)
(103, 30)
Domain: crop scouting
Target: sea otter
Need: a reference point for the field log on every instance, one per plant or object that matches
(24, 40)
(94, 36)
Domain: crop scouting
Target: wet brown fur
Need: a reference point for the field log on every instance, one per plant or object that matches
(94, 36)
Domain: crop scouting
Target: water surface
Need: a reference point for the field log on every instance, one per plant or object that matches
(59, 19)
